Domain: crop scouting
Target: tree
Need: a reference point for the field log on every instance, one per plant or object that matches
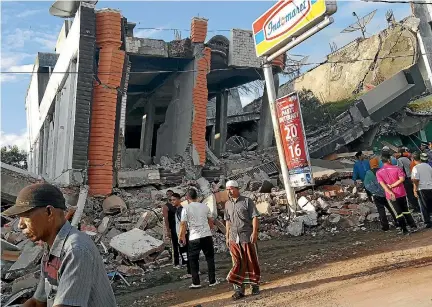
(314, 115)
(12, 155)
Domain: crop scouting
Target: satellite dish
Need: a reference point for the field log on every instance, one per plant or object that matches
(360, 24)
(64, 9)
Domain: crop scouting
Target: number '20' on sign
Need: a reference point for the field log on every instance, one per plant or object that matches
(292, 136)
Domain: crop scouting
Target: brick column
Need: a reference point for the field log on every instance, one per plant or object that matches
(200, 91)
(103, 116)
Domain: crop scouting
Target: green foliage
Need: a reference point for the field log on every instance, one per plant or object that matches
(12, 155)
(315, 114)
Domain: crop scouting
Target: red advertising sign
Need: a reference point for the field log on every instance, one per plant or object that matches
(294, 139)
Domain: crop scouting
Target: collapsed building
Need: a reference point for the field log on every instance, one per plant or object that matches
(107, 102)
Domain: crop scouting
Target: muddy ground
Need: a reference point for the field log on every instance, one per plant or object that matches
(293, 268)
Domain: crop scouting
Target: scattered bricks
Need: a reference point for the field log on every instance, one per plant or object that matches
(353, 206)
(333, 188)
(340, 211)
(130, 270)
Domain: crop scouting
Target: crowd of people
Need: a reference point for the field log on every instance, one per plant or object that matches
(399, 182)
(73, 273)
(190, 229)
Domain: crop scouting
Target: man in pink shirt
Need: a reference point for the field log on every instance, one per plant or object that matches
(391, 178)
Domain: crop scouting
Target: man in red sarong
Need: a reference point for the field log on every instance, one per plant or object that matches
(241, 216)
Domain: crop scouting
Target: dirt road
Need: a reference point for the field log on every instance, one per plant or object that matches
(349, 269)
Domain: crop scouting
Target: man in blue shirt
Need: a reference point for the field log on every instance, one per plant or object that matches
(361, 166)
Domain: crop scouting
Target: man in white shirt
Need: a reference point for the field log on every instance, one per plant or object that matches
(422, 179)
(198, 218)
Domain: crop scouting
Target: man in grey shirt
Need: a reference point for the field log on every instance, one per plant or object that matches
(404, 163)
(241, 216)
(72, 270)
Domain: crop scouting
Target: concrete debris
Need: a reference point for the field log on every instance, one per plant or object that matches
(113, 205)
(102, 228)
(28, 257)
(130, 270)
(264, 208)
(136, 244)
(128, 227)
(295, 228)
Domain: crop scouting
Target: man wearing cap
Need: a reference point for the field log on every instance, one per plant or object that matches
(72, 270)
(241, 216)
(386, 151)
(425, 148)
(422, 180)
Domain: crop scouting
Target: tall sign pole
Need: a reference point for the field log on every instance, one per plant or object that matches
(282, 27)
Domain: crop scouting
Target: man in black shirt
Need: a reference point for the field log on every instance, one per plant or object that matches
(169, 211)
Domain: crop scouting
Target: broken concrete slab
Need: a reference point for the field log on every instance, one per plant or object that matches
(102, 228)
(112, 233)
(148, 219)
(334, 218)
(156, 232)
(211, 203)
(305, 204)
(138, 178)
(30, 256)
(264, 208)
(295, 228)
(136, 244)
(25, 282)
(205, 186)
(266, 187)
(113, 205)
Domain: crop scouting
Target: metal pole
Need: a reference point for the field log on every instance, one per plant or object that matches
(271, 92)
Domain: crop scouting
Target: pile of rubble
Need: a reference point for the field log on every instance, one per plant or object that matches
(128, 228)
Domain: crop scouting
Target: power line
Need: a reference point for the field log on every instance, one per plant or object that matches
(225, 69)
(176, 29)
(401, 1)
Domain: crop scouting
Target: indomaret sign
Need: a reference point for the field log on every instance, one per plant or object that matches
(288, 19)
(294, 140)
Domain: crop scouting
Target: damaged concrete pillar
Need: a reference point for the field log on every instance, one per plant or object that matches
(202, 55)
(221, 123)
(147, 129)
(265, 128)
(104, 105)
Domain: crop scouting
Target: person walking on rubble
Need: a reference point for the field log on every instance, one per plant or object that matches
(72, 270)
(197, 217)
(182, 246)
(168, 212)
(241, 216)
(422, 180)
(391, 179)
(371, 184)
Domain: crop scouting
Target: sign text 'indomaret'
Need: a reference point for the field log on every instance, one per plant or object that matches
(288, 19)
